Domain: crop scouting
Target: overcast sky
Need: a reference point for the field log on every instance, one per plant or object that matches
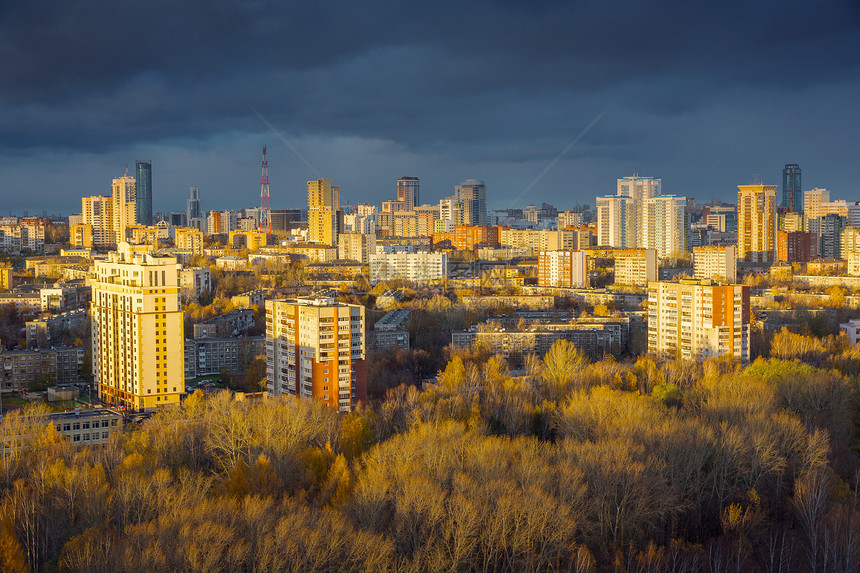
(702, 94)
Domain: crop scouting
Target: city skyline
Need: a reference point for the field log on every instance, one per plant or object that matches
(496, 93)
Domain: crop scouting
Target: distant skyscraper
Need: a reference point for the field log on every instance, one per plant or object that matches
(408, 191)
(193, 211)
(472, 194)
(792, 195)
(757, 223)
(143, 186)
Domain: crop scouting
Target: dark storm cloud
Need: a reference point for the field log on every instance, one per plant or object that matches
(107, 70)
(454, 82)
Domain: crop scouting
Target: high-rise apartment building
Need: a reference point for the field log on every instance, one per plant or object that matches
(812, 202)
(567, 269)
(137, 329)
(325, 218)
(830, 235)
(97, 213)
(757, 223)
(639, 216)
(615, 222)
(635, 267)
(792, 222)
(639, 189)
(695, 319)
(124, 198)
(719, 264)
(110, 216)
(408, 191)
(315, 348)
(143, 192)
(722, 218)
(472, 195)
(663, 228)
(450, 214)
(796, 246)
(221, 222)
(792, 194)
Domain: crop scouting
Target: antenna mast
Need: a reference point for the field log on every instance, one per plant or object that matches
(265, 206)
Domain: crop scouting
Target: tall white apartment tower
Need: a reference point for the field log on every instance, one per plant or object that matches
(663, 228)
(614, 221)
(639, 189)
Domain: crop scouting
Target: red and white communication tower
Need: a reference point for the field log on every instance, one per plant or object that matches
(265, 206)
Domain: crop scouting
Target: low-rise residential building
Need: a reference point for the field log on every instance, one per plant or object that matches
(390, 330)
(421, 268)
(337, 269)
(227, 324)
(524, 302)
(189, 239)
(231, 263)
(15, 238)
(635, 267)
(251, 240)
(695, 319)
(313, 253)
(40, 333)
(22, 299)
(716, 263)
(566, 269)
(249, 299)
(83, 428)
(27, 369)
(594, 337)
(194, 281)
(851, 329)
(87, 427)
(827, 266)
(356, 246)
(207, 356)
(469, 237)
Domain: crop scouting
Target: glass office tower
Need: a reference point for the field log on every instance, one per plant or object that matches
(792, 194)
(143, 200)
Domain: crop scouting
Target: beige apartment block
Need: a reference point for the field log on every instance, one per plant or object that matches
(137, 330)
